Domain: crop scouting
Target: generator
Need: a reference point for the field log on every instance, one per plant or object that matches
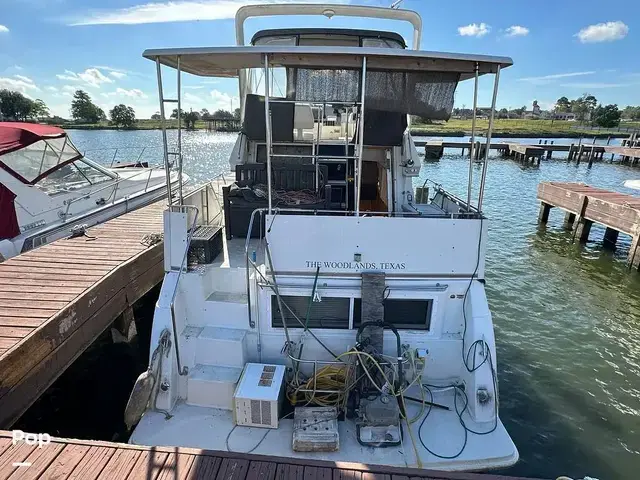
(258, 396)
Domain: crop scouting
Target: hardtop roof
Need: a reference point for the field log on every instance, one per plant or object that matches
(329, 31)
(228, 61)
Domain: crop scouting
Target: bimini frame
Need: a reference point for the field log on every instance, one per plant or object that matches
(233, 61)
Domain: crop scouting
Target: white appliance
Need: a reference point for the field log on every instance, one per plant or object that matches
(256, 401)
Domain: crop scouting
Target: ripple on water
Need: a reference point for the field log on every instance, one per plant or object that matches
(566, 315)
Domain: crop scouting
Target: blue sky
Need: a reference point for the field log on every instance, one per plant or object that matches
(49, 48)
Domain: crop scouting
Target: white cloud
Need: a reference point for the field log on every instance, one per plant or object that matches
(94, 77)
(68, 90)
(190, 97)
(222, 101)
(51, 89)
(3, 29)
(19, 83)
(603, 32)
(91, 77)
(172, 11)
(23, 78)
(594, 85)
(474, 30)
(68, 75)
(121, 92)
(517, 31)
(117, 75)
(549, 78)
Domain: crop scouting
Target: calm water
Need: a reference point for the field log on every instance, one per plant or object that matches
(567, 317)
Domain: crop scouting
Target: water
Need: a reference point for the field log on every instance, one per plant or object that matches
(566, 315)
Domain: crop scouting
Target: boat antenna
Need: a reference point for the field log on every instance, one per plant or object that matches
(396, 4)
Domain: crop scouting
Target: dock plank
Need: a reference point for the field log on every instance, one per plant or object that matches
(177, 467)
(92, 463)
(148, 466)
(87, 459)
(65, 462)
(120, 464)
(204, 467)
(40, 459)
(56, 299)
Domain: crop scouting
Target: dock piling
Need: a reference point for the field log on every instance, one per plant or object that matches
(543, 216)
(610, 238)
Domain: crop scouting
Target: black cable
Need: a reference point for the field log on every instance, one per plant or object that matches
(457, 390)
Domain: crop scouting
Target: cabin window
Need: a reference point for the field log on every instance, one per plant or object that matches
(330, 312)
(70, 177)
(404, 313)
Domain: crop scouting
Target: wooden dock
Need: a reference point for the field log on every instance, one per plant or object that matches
(89, 460)
(629, 154)
(585, 205)
(57, 299)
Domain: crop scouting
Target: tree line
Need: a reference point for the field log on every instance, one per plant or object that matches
(15, 106)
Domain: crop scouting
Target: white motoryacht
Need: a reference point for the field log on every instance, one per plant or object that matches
(320, 302)
(47, 187)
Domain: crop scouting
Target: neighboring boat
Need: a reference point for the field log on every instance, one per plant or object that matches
(321, 293)
(634, 184)
(47, 187)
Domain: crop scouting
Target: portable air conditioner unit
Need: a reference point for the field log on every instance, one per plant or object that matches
(256, 401)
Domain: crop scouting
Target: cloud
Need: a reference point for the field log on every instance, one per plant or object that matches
(222, 101)
(549, 78)
(117, 75)
(595, 85)
(474, 30)
(517, 31)
(193, 87)
(121, 92)
(603, 32)
(23, 78)
(190, 97)
(19, 83)
(3, 29)
(162, 12)
(92, 77)
(51, 89)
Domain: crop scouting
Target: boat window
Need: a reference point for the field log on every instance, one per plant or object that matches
(32, 161)
(327, 313)
(380, 43)
(71, 177)
(64, 179)
(404, 313)
(277, 40)
(93, 174)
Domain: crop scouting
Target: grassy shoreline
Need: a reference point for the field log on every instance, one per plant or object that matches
(453, 128)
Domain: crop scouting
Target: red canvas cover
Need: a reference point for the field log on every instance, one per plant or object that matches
(17, 135)
(8, 219)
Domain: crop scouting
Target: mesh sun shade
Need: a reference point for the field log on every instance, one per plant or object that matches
(426, 94)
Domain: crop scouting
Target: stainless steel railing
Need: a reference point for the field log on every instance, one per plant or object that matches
(182, 370)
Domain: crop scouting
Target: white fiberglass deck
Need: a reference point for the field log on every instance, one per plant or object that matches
(208, 428)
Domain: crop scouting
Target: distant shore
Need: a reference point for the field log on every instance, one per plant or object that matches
(503, 128)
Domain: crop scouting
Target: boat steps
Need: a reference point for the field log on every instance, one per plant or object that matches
(212, 385)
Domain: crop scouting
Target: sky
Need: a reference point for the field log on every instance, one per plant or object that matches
(50, 48)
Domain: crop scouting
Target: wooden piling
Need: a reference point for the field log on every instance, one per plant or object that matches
(583, 227)
(569, 218)
(591, 157)
(543, 216)
(610, 238)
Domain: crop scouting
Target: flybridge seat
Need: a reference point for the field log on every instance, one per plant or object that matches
(381, 128)
(293, 186)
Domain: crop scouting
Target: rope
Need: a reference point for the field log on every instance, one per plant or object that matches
(151, 239)
(287, 197)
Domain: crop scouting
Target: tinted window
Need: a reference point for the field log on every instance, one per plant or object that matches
(404, 313)
(328, 313)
